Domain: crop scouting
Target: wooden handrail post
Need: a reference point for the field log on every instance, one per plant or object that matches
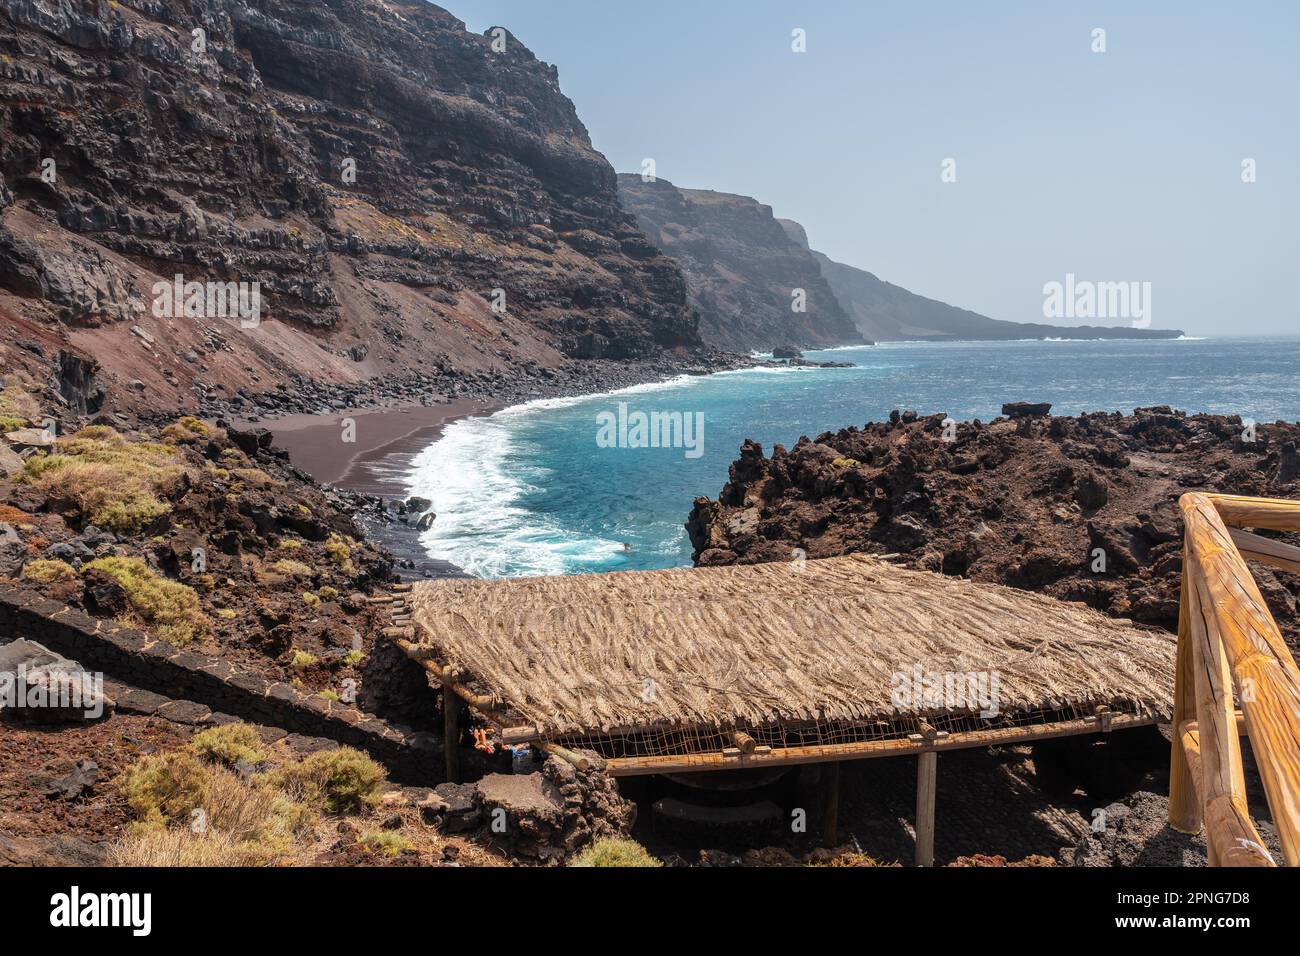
(1235, 641)
(1184, 800)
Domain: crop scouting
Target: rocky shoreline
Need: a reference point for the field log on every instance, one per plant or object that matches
(1081, 508)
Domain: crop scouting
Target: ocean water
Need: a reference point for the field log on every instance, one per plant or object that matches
(531, 490)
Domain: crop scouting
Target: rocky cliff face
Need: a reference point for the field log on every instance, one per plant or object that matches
(376, 169)
(743, 272)
(1031, 502)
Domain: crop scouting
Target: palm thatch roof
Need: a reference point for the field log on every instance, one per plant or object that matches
(758, 645)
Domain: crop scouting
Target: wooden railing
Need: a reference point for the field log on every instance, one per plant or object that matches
(1228, 639)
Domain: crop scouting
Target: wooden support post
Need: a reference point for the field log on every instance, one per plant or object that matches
(926, 777)
(830, 805)
(1184, 799)
(451, 732)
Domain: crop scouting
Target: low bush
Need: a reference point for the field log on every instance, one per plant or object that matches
(186, 429)
(48, 572)
(229, 744)
(195, 814)
(170, 608)
(386, 842)
(339, 550)
(292, 568)
(612, 851)
(340, 781)
(163, 787)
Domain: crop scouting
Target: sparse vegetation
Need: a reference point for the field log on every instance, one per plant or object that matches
(340, 781)
(292, 568)
(852, 859)
(112, 483)
(229, 744)
(310, 599)
(612, 851)
(48, 572)
(196, 814)
(169, 607)
(304, 659)
(162, 787)
(17, 408)
(386, 841)
(186, 429)
(339, 550)
(354, 657)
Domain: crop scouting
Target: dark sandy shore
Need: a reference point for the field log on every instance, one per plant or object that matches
(375, 463)
(385, 441)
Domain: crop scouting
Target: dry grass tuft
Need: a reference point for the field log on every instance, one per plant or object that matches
(611, 851)
(170, 608)
(111, 482)
(340, 781)
(48, 572)
(229, 744)
(191, 813)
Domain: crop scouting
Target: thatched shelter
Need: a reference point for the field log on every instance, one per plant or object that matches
(811, 657)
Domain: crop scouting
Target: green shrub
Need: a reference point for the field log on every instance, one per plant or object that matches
(229, 744)
(48, 572)
(339, 550)
(304, 659)
(169, 607)
(341, 781)
(611, 851)
(164, 787)
(386, 842)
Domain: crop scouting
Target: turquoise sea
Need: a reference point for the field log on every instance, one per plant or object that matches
(536, 489)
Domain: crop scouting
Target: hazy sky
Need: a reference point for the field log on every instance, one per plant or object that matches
(1114, 166)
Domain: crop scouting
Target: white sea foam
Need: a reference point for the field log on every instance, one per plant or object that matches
(475, 477)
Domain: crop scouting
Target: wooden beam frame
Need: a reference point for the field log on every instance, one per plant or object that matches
(868, 749)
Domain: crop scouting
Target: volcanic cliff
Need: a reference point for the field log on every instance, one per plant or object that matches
(742, 270)
(386, 177)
